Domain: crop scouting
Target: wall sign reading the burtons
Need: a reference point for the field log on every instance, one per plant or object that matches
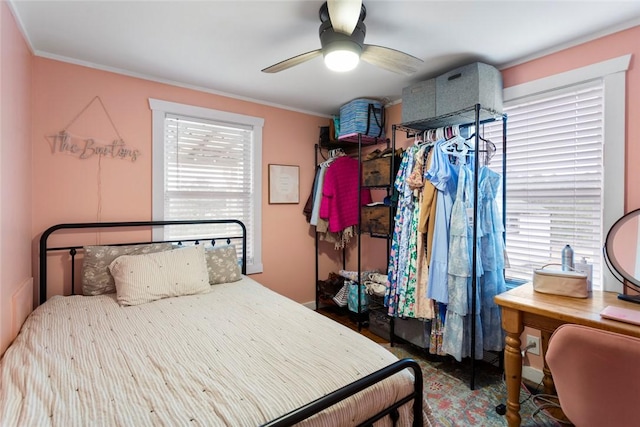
(86, 148)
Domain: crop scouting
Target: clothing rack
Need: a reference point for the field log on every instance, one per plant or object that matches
(318, 158)
(352, 146)
(473, 116)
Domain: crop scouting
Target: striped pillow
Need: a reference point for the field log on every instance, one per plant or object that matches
(144, 278)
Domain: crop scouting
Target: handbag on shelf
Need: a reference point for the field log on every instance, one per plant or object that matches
(342, 296)
(560, 282)
(352, 294)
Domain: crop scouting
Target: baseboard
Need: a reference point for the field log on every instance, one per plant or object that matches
(532, 375)
(311, 305)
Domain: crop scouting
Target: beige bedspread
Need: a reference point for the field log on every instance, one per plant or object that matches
(238, 356)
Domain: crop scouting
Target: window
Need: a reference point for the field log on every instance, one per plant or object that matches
(207, 165)
(554, 178)
(565, 167)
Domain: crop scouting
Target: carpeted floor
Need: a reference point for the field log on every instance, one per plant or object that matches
(446, 384)
(454, 404)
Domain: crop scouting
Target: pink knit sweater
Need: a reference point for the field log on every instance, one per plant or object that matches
(340, 194)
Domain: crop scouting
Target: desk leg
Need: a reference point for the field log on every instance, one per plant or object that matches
(547, 380)
(512, 324)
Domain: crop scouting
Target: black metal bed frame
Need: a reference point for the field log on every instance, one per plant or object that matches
(73, 250)
(294, 416)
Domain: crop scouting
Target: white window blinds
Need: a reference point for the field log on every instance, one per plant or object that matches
(554, 178)
(208, 175)
(207, 164)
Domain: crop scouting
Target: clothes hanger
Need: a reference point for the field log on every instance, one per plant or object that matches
(333, 154)
(490, 147)
(424, 140)
(456, 146)
(454, 139)
(336, 152)
(489, 152)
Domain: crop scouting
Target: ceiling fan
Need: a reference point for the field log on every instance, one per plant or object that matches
(342, 32)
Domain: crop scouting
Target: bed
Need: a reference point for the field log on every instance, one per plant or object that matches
(233, 354)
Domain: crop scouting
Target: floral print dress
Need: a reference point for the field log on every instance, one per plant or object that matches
(395, 298)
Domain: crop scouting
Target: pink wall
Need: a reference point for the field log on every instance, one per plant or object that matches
(15, 178)
(68, 189)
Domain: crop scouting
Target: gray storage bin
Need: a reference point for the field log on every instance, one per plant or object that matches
(380, 324)
(419, 101)
(415, 331)
(466, 86)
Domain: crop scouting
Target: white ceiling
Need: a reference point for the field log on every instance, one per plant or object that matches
(221, 46)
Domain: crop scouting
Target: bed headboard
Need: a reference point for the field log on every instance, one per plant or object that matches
(237, 236)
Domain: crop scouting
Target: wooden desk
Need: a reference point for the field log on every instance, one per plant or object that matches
(522, 307)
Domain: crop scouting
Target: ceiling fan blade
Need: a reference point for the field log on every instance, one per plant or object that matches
(390, 59)
(292, 62)
(344, 15)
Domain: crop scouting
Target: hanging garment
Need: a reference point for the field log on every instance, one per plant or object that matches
(399, 255)
(424, 308)
(420, 242)
(340, 194)
(317, 193)
(428, 200)
(426, 224)
(491, 247)
(443, 175)
(411, 303)
(340, 239)
(437, 326)
(408, 278)
(308, 206)
(456, 337)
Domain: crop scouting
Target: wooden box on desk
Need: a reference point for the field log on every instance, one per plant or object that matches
(377, 172)
(376, 220)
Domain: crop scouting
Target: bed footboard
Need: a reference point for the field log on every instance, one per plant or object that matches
(318, 405)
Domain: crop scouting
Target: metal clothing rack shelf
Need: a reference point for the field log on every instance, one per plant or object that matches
(388, 236)
(473, 116)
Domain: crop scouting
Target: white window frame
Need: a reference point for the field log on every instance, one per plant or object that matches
(613, 73)
(159, 110)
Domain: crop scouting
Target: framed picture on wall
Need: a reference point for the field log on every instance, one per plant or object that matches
(284, 184)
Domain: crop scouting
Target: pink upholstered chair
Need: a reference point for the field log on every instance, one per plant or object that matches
(597, 376)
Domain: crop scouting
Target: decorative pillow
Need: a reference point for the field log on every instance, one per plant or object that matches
(145, 278)
(222, 265)
(96, 278)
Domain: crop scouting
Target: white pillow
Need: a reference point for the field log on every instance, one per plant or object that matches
(149, 277)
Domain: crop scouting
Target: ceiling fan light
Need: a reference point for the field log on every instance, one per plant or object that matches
(341, 60)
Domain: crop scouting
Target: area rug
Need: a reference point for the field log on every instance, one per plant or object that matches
(454, 404)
